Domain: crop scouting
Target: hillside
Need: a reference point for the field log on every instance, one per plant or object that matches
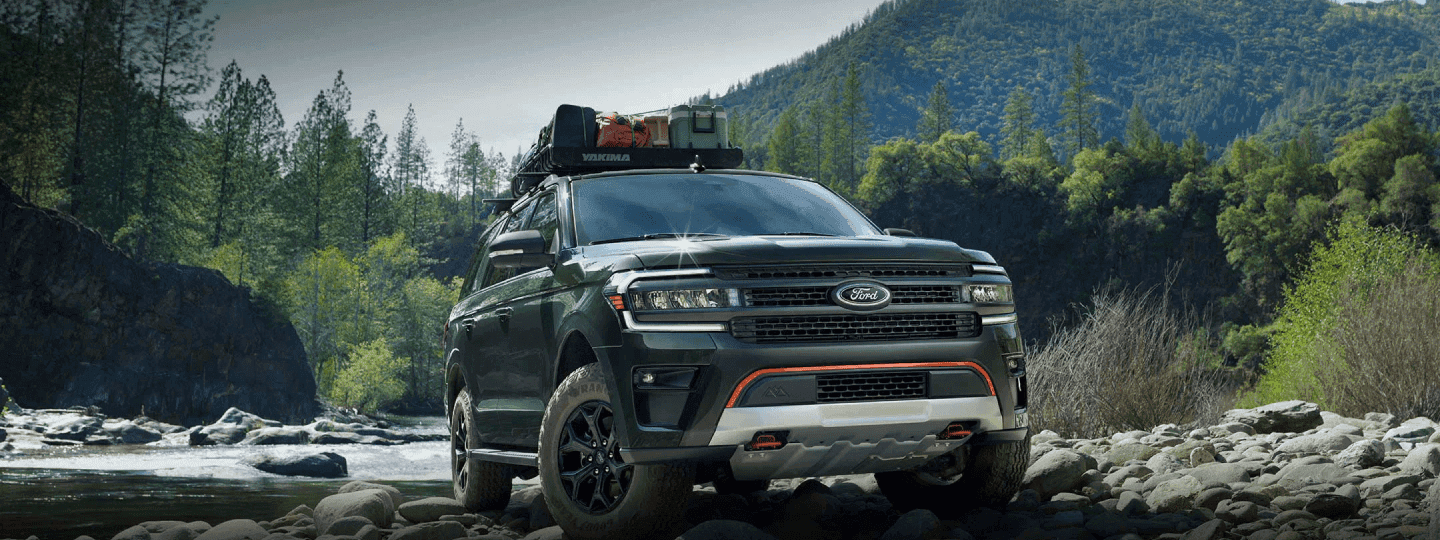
(1342, 112)
(1212, 66)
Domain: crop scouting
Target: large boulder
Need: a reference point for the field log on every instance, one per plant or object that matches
(85, 324)
(1282, 417)
(321, 465)
(372, 504)
(1054, 472)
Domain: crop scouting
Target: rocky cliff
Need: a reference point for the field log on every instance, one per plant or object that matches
(81, 323)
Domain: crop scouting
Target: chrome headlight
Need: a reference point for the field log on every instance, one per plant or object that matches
(986, 293)
(684, 299)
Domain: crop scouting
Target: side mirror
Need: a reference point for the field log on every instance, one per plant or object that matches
(519, 249)
(899, 232)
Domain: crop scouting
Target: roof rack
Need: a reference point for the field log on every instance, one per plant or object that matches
(567, 146)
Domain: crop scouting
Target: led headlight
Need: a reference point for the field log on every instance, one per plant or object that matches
(685, 299)
(989, 294)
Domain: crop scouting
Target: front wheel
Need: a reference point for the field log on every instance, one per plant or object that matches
(987, 476)
(588, 487)
(479, 484)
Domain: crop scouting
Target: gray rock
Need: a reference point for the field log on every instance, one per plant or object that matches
(320, 465)
(1289, 516)
(127, 432)
(1237, 512)
(915, 525)
(1211, 498)
(1290, 502)
(1061, 520)
(1118, 476)
(396, 499)
(1056, 471)
(434, 530)
(1281, 417)
(1201, 456)
(1227, 428)
(1131, 503)
(217, 434)
(1175, 495)
(235, 529)
(1388, 420)
(1424, 460)
(1319, 443)
(349, 526)
(1403, 491)
(725, 529)
(1122, 453)
(1414, 430)
(1164, 463)
(540, 517)
(1310, 470)
(1362, 454)
(1220, 473)
(1107, 525)
(1210, 530)
(1381, 484)
(431, 508)
(372, 504)
(1332, 505)
(336, 438)
(276, 435)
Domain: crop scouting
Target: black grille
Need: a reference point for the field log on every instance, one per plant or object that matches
(924, 294)
(841, 271)
(820, 296)
(788, 296)
(896, 327)
(870, 386)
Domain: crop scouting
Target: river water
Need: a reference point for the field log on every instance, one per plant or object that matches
(61, 494)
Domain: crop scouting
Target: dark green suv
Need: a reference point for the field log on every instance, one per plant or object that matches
(627, 335)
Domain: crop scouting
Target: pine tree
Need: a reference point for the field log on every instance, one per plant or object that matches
(1018, 130)
(1077, 111)
(373, 193)
(786, 147)
(847, 134)
(172, 64)
(1138, 133)
(938, 117)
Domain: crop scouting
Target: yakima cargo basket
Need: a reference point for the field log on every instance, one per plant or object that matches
(568, 146)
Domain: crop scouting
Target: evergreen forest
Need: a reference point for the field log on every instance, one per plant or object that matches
(1260, 169)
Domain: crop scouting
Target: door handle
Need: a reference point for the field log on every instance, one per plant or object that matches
(503, 313)
(469, 325)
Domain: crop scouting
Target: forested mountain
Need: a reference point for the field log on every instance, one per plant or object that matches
(1212, 66)
(1339, 112)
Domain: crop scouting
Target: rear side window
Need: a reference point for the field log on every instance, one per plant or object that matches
(478, 260)
(546, 220)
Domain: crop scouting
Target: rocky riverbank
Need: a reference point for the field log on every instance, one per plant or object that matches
(1286, 471)
(28, 431)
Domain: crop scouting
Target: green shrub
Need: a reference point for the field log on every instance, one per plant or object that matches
(1132, 362)
(1315, 351)
(371, 380)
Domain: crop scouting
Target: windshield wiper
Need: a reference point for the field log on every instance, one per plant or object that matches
(797, 234)
(657, 236)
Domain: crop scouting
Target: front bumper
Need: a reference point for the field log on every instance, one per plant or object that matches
(704, 421)
(842, 438)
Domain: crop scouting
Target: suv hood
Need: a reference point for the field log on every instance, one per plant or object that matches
(789, 249)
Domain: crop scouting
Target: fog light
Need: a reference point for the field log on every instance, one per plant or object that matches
(647, 378)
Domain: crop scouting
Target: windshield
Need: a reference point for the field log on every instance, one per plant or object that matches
(670, 205)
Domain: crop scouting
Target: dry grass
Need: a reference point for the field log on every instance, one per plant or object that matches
(1133, 361)
(1388, 348)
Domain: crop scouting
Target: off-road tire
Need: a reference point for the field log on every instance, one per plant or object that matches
(992, 476)
(479, 484)
(650, 505)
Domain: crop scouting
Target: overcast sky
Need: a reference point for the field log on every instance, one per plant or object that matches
(504, 66)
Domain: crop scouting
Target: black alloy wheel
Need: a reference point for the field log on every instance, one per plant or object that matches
(591, 469)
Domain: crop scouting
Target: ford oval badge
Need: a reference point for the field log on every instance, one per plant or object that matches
(861, 296)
